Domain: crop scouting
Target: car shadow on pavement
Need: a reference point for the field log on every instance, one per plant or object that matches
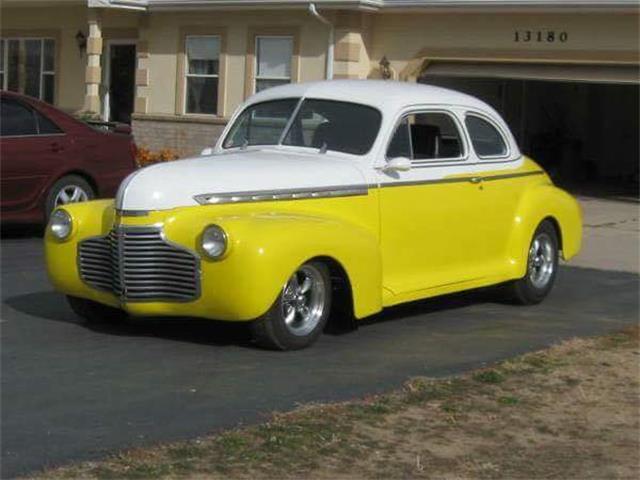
(52, 306)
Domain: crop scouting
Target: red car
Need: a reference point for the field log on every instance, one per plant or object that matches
(48, 158)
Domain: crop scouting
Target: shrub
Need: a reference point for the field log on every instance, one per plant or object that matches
(146, 157)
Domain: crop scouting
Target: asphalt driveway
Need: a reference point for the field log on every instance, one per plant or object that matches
(70, 392)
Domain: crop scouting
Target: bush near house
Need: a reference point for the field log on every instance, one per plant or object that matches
(146, 156)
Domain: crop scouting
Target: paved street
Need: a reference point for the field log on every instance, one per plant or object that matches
(71, 392)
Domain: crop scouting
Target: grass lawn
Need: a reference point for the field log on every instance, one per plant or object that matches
(571, 411)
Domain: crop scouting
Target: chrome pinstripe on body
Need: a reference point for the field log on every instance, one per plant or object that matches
(339, 191)
(282, 194)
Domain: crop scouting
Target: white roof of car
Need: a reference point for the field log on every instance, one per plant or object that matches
(385, 95)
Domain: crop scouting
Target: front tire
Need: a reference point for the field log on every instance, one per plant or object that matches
(299, 315)
(542, 265)
(95, 313)
(69, 189)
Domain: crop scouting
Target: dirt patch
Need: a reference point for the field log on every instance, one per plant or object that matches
(571, 411)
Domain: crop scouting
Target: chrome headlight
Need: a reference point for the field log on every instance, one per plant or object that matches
(214, 241)
(60, 224)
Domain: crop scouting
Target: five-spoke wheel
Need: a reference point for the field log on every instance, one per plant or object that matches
(300, 313)
(69, 189)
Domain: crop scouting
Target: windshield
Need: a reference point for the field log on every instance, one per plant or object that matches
(322, 124)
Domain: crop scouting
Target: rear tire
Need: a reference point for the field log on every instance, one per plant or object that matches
(69, 189)
(542, 265)
(95, 313)
(299, 315)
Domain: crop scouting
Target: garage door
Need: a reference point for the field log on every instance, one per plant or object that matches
(581, 122)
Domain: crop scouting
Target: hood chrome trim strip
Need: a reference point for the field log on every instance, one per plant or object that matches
(282, 194)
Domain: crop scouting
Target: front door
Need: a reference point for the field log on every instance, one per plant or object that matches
(122, 71)
(429, 213)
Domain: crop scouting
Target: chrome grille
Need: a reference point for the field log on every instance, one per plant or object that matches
(138, 264)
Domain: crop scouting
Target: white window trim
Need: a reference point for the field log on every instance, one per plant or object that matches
(188, 75)
(43, 72)
(256, 75)
(432, 161)
(501, 134)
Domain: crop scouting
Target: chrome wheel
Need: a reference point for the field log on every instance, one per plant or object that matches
(70, 194)
(542, 260)
(303, 300)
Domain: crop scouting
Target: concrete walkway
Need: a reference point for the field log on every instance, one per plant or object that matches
(611, 239)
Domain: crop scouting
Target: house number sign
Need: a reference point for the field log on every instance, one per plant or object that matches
(540, 36)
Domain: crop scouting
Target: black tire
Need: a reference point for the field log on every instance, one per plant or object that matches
(95, 313)
(527, 291)
(66, 182)
(275, 332)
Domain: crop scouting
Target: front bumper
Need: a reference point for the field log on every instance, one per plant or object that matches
(122, 271)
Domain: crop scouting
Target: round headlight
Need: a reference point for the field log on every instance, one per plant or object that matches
(214, 241)
(60, 224)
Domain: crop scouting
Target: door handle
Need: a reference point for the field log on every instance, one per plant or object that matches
(475, 179)
(56, 147)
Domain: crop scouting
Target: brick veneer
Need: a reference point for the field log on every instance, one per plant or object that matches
(185, 135)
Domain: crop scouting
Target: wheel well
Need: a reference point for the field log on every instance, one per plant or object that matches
(84, 175)
(556, 227)
(342, 318)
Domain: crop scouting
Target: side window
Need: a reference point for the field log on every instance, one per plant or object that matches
(16, 119)
(486, 139)
(427, 136)
(46, 126)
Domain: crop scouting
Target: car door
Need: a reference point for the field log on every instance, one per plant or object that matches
(429, 215)
(32, 149)
(501, 186)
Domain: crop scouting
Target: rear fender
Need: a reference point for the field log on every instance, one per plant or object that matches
(540, 202)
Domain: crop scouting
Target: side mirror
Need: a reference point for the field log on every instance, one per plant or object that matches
(206, 152)
(397, 164)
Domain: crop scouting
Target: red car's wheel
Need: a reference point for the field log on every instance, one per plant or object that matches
(69, 189)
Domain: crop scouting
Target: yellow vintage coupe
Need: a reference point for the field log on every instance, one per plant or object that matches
(339, 196)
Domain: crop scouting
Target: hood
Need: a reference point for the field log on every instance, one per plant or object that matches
(175, 184)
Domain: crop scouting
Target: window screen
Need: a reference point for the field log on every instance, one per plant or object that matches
(486, 140)
(203, 59)
(273, 61)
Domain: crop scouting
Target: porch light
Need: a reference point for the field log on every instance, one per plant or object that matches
(385, 68)
(81, 41)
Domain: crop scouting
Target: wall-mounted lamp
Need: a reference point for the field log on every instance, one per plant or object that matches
(81, 41)
(385, 68)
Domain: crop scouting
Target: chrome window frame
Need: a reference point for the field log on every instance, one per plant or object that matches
(437, 161)
(494, 124)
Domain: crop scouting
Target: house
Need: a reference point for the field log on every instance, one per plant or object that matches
(563, 73)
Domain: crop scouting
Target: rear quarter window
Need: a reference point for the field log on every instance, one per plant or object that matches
(486, 139)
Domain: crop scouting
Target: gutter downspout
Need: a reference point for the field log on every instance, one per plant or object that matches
(314, 12)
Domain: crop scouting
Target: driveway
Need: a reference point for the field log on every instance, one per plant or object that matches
(70, 392)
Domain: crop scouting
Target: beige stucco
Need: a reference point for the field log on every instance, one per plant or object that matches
(408, 40)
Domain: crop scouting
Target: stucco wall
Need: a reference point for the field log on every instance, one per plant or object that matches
(402, 37)
(164, 43)
(65, 23)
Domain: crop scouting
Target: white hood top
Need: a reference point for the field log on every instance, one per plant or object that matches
(176, 184)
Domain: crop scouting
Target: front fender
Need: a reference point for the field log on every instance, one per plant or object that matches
(538, 203)
(265, 249)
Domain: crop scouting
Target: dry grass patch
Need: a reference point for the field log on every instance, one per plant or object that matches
(571, 411)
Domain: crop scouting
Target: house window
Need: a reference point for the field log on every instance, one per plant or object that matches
(27, 66)
(273, 61)
(202, 74)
